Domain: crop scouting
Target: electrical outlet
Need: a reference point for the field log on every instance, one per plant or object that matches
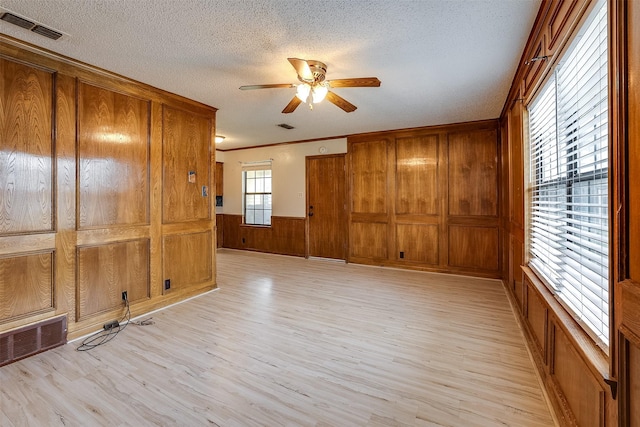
(167, 284)
(243, 241)
(124, 296)
(401, 254)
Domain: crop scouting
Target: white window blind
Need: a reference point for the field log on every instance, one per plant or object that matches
(568, 163)
(257, 193)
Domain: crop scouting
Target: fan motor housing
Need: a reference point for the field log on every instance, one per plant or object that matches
(318, 69)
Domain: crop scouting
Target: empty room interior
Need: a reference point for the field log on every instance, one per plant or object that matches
(320, 213)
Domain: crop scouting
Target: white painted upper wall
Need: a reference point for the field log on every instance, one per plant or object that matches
(288, 171)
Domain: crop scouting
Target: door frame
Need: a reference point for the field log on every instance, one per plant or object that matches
(345, 229)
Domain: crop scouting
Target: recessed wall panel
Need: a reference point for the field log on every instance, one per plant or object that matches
(473, 247)
(26, 284)
(473, 173)
(105, 271)
(417, 242)
(578, 386)
(187, 259)
(186, 141)
(113, 158)
(417, 175)
(368, 240)
(26, 148)
(369, 177)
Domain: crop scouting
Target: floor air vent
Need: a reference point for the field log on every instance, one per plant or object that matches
(29, 340)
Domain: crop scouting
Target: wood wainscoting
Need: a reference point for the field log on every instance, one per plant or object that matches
(426, 198)
(95, 190)
(285, 236)
(575, 371)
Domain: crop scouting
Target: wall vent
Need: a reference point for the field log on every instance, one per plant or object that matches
(285, 126)
(29, 340)
(31, 26)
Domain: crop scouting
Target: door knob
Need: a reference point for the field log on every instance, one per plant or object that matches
(310, 213)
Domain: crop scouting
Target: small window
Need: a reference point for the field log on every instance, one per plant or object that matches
(257, 195)
(568, 231)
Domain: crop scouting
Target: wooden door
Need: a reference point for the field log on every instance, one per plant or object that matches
(326, 215)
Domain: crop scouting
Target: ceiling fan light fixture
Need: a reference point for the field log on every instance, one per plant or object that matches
(319, 92)
(302, 92)
(219, 138)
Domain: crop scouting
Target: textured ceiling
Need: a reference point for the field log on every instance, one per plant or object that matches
(440, 61)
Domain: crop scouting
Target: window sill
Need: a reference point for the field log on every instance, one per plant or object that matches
(254, 226)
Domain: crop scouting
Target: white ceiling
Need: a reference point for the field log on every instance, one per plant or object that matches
(440, 61)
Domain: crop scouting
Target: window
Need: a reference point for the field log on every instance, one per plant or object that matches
(257, 194)
(568, 231)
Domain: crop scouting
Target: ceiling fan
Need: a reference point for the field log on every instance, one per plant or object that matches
(313, 87)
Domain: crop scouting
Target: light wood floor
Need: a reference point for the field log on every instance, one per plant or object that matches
(289, 341)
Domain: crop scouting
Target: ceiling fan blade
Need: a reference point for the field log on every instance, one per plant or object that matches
(292, 105)
(357, 82)
(341, 102)
(278, 85)
(302, 68)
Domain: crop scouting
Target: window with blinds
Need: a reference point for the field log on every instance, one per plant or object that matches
(257, 193)
(568, 178)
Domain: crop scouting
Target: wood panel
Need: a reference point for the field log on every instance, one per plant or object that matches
(66, 186)
(187, 259)
(417, 175)
(368, 176)
(219, 179)
(537, 317)
(26, 284)
(368, 240)
(633, 51)
(62, 163)
(633, 381)
(473, 247)
(285, 236)
(516, 261)
(535, 66)
(288, 236)
(105, 271)
(219, 230)
(583, 394)
(113, 158)
(417, 243)
(516, 166)
(231, 231)
(186, 142)
(473, 173)
(627, 220)
(561, 17)
(26, 148)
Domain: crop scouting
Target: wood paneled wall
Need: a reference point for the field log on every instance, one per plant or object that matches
(426, 198)
(626, 329)
(586, 386)
(95, 193)
(285, 235)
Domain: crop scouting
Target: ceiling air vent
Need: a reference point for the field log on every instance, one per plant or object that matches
(47, 32)
(285, 126)
(16, 20)
(32, 26)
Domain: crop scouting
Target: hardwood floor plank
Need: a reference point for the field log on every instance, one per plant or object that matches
(296, 342)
